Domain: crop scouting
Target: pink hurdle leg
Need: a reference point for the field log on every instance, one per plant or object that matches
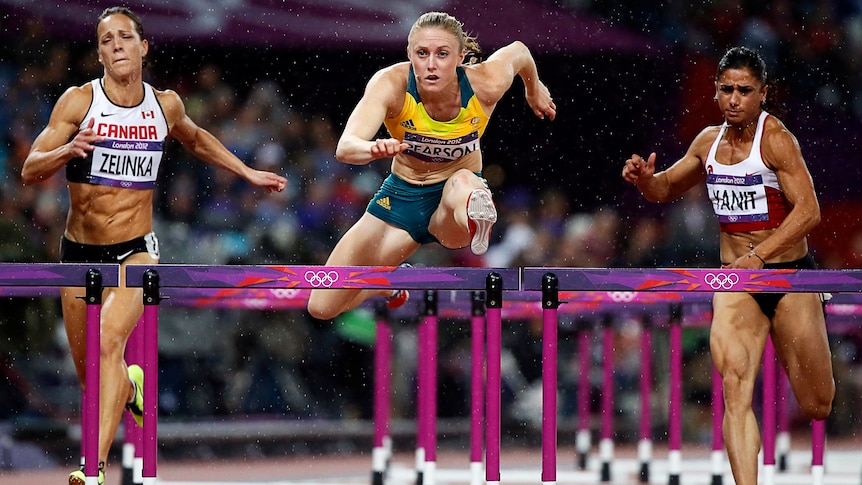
(645, 439)
(90, 396)
(583, 440)
(818, 449)
(606, 442)
(421, 411)
(131, 432)
(768, 432)
(550, 302)
(675, 418)
(782, 440)
(477, 382)
(493, 344)
(717, 456)
(430, 441)
(382, 397)
(138, 435)
(151, 376)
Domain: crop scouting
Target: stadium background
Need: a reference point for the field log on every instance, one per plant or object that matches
(276, 80)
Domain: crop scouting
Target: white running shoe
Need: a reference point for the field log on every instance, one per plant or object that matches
(481, 216)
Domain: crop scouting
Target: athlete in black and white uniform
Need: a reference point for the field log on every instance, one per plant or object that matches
(108, 135)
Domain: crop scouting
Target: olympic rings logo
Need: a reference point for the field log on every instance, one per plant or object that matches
(321, 278)
(722, 281)
(622, 296)
(285, 293)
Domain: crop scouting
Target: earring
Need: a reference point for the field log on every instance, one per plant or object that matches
(715, 98)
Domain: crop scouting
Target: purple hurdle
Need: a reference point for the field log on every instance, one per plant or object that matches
(687, 282)
(44, 278)
(248, 277)
(682, 284)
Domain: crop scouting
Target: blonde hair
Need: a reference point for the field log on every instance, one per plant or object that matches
(442, 20)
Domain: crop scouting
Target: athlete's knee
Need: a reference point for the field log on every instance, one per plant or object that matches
(111, 344)
(737, 391)
(464, 177)
(817, 409)
(818, 404)
(320, 312)
(321, 309)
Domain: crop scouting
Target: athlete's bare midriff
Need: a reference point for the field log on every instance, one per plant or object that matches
(104, 215)
(737, 244)
(417, 172)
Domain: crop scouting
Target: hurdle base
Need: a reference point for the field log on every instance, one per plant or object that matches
(377, 478)
(717, 480)
(606, 472)
(817, 473)
(581, 461)
(643, 475)
(673, 479)
(128, 476)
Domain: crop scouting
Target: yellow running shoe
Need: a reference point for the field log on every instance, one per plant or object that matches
(136, 407)
(77, 477)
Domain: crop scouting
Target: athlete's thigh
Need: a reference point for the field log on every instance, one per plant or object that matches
(123, 306)
(372, 242)
(75, 321)
(738, 334)
(121, 310)
(800, 337)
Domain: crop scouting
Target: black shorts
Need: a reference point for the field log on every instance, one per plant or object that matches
(768, 302)
(72, 252)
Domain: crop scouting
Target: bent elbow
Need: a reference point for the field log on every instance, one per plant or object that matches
(655, 197)
(341, 152)
(28, 178)
(815, 219)
(341, 155)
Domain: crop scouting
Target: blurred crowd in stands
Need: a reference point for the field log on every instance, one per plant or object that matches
(220, 362)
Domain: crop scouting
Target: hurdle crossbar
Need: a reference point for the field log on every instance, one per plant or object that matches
(50, 276)
(698, 280)
(322, 277)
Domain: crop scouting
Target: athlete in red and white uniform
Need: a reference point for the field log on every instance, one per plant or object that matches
(746, 196)
(764, 197)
